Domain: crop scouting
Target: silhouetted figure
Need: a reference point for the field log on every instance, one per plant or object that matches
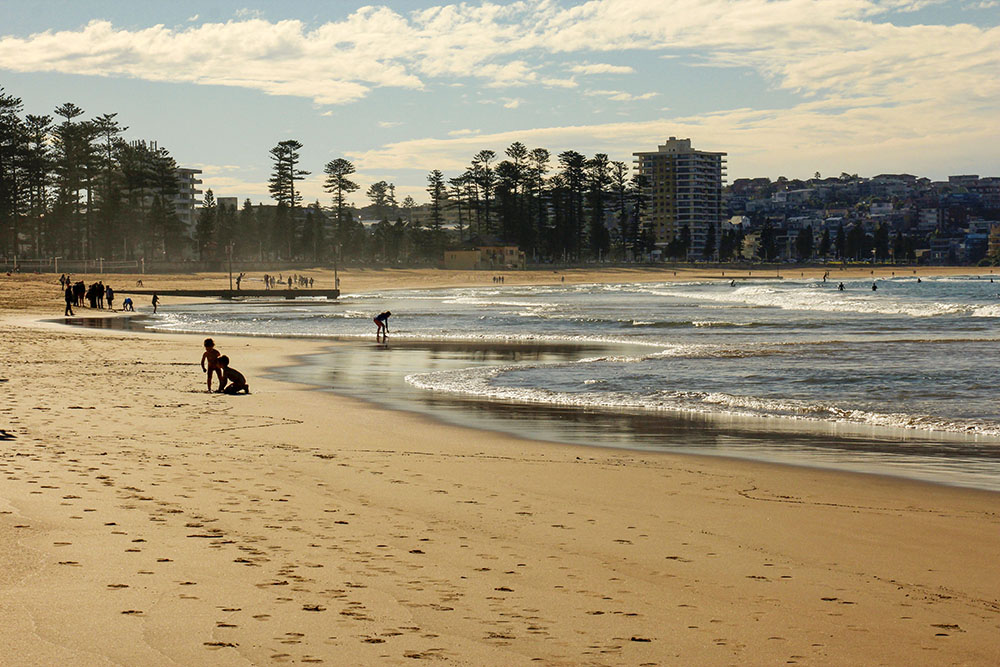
(156, 301)
(233, 382)
(109, 294)
(382, 324)
(70, 298)
(211, 358)
(840, 287)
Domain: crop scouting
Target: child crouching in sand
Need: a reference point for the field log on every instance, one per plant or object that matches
(233, 381)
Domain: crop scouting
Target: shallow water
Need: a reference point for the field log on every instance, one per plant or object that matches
(899, 380)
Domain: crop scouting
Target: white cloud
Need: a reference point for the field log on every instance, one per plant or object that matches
(389, 123)
(860, 80)
(814, 48)
(810, 137)
(620, 96)
(602, 68)
(511, 102)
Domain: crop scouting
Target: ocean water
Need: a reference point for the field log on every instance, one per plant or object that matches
(900, 380)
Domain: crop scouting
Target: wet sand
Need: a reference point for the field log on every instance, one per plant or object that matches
(143, 521)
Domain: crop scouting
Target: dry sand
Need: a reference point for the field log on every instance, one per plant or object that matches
(143, 521)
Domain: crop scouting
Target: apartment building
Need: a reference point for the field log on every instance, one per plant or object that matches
(683, 188)
(187, 198)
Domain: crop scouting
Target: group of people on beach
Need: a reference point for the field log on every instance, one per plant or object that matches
(79, 292)
(97, 294)
(301, 281)
(231, 381)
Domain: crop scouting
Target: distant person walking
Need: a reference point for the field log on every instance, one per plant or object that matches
(70, 298)
(382, 324)
(156, 301)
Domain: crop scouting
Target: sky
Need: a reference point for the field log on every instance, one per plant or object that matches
(785, 87)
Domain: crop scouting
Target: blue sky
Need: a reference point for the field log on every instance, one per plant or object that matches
(786, 87)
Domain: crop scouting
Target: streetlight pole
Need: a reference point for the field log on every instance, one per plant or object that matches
(336, 262)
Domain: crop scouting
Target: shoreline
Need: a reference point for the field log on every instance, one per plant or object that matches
(150, 522)
(746, 432)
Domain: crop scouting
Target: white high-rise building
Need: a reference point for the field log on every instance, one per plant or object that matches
(683, 188)
(187, 197)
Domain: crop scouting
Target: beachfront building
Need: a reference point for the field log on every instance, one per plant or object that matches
(187, 198)
(485, 257)
(683, 189)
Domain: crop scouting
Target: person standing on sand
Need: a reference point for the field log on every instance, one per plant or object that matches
(211, 358)
(70, 298)
(382, 324)
(156, 300)
(109, 294)
(233, 382)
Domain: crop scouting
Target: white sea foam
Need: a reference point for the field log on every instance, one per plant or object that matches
(992, 310)
(822, 300)
(719, 323)
(478, 382)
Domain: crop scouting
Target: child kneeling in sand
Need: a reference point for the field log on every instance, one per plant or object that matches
(233, 381)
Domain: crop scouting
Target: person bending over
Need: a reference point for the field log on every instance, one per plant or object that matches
(382, 323)
(233, 382)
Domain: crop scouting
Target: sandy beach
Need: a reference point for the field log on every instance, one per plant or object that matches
(145, 521)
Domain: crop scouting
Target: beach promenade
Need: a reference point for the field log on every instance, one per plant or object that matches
(144, 521)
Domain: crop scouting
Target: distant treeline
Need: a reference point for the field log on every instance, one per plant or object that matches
(77, 189)
(577, 208)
